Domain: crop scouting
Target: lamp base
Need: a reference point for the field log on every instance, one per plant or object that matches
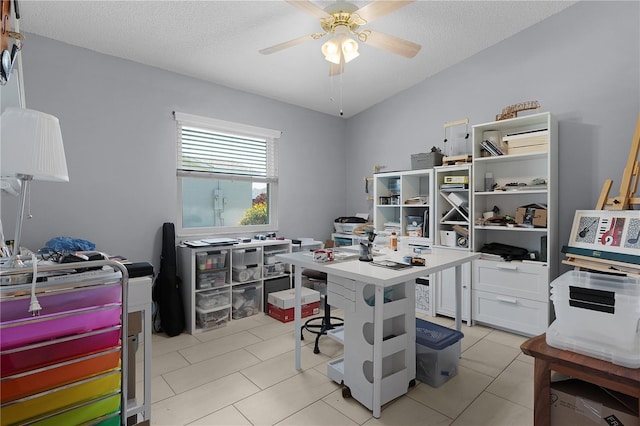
(15, 261)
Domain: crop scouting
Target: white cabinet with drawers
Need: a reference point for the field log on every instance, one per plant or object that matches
(511, 295)
(514, 295)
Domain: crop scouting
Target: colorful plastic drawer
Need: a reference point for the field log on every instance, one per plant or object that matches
(43, 379)
(62, 301)
(39, 355)
(83, 414)
(47, 327)
(113, 420)
(54, 400)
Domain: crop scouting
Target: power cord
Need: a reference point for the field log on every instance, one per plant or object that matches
(34, 305)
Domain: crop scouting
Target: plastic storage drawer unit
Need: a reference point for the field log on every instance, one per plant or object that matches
(437, 352)
(245, 300)
(211, 319)
(213, 298)
(597, 315)
(210, 279)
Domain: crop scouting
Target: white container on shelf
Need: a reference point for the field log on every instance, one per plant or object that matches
(212, 299)
(245, 273)
(448, 238)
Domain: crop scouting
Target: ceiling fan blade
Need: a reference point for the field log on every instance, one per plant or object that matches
(393, 44)
(310, 8)
(286, 44)
(379, 8)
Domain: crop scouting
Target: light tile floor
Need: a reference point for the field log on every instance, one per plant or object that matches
(243, 374)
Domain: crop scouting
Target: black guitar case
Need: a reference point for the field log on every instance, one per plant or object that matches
(166, 289)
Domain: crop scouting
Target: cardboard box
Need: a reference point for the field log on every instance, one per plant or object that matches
(574, 402)
(285, 299)
(287, 315)
(534, 215)
(528, 149)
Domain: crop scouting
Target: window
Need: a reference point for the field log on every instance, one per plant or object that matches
(227, 177)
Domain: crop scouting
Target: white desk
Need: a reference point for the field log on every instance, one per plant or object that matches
(139, 300)
(437, 260)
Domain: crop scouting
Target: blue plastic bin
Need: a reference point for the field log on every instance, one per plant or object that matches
(437, 352)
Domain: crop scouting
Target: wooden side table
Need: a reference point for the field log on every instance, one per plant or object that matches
(592, 370)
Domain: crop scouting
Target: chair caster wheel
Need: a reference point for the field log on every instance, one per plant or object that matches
(316, 351)
(346, 392)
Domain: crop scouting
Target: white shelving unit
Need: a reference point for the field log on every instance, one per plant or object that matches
(515, 295)
(453, 209)
(234, 282)
(391, 192)
(403, 201)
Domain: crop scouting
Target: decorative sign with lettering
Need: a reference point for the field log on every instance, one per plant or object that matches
(512, 110)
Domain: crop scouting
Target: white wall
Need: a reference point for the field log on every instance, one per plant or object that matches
(120, 142)
(583, 65)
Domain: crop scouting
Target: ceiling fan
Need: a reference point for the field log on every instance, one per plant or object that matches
(343, 19)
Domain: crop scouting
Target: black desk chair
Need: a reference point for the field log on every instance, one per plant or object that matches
(320, 325)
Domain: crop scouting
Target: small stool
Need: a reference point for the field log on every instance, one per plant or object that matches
(320, 325)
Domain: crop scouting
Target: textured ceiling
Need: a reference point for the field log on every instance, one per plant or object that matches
(218, 41)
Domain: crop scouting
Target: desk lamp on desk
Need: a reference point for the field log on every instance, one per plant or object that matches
(30, 149)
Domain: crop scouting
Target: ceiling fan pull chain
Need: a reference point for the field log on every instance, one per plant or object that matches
(341, 85)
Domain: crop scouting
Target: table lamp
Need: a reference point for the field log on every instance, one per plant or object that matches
(30, 149)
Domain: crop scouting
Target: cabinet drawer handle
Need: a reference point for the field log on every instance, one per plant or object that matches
(508, 266)
(507, 299)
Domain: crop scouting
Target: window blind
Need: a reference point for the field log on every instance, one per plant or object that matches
(205, 151)
(218, 147)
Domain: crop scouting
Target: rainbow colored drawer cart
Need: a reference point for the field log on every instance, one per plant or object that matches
(63, 366)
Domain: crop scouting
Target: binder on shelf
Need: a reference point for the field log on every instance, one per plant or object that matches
(491, 148)
(453, 186)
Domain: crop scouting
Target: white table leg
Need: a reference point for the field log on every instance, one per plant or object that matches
(458, 297)
(378, 320)
(297, 315)
(147, 362)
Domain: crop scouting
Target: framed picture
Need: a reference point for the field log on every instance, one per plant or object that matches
(614, 231)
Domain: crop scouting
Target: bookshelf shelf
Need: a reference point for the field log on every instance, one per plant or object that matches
(453, 231)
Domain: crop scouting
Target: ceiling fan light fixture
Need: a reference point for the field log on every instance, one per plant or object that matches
(331, 50)
(349, 49)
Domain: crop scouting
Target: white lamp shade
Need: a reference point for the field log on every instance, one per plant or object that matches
(349, 49)
(31, 144)
(331, 50)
